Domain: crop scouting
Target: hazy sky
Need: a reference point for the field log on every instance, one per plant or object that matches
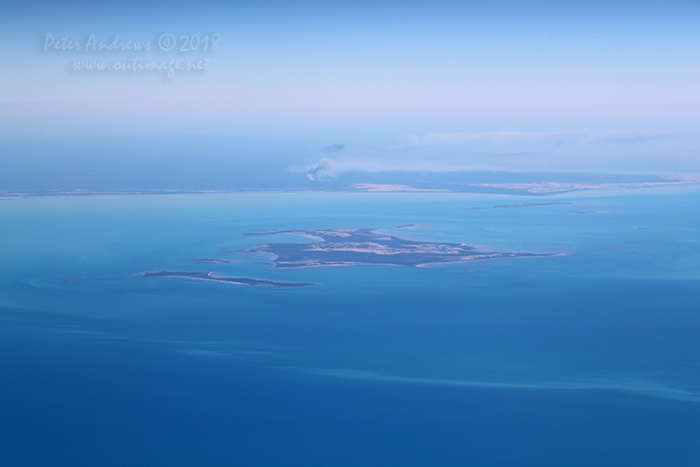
(290, 78)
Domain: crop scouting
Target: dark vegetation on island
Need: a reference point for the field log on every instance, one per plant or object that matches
(345, 247)
(340, 247)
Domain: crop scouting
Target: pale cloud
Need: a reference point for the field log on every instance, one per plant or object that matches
(328, 168)
(202, 353)
(637, 387)
(495, 137)
(657, 152)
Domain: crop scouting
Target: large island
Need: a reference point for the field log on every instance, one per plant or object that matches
(342, 247)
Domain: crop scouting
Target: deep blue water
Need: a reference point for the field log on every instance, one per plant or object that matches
(590, 358)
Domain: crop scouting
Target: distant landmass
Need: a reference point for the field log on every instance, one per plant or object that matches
(343, 247)
(509, 183)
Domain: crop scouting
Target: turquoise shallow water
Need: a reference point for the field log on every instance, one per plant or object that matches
(588, 358)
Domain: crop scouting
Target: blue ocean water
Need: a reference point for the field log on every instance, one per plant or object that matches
(586, 358)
